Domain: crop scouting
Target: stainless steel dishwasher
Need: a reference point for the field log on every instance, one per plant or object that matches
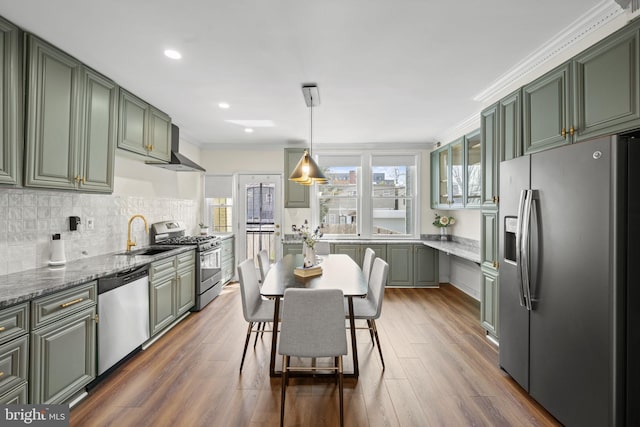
(123, 309)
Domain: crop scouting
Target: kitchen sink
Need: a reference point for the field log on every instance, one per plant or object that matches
(147, 251)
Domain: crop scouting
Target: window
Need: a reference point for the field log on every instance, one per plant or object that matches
(390, 182)
(392, 195)
(338, 200)
(218, 203)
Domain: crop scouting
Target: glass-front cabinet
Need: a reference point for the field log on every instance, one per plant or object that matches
(456, 174)
(473, 179)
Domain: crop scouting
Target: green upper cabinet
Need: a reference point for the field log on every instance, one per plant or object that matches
(98, 132)
(489, 240)
(160, 134)
(473, 178)
(295, 195)
(71, 119)
(142, 128)
(52, 116)
(546, 111)
(489, 156)
(456, 173)
(606, 88)
(11, 106)
(510, 126)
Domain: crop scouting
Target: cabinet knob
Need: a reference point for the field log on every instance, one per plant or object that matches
(571, 131)
(563, 132)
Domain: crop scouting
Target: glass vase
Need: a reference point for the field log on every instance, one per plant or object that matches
(443, 234)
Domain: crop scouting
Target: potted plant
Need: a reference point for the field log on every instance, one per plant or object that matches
(204, 229)
(443, 222)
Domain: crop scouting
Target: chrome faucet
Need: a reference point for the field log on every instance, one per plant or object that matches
(146, 228)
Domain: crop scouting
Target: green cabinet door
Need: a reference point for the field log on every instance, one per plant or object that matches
(435, 192)
(98, 132)
(16, 396)
(352, 249)
(63, 357)
(510, 126)
(606, 87)
(162, 302)
(489, 241)
(473, 171)
(295, 195)
(159, 135)
(400, 259)
(489, 294)
(52, 112)
(457, 174)
(425, 263)
(292, 248)
(132, 123)
(489, 156)
(11, 106)
(185, 289)
(380, 249)
(546, 111)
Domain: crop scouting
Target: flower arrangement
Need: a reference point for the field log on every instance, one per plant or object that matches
(308, 237)
(444, 221)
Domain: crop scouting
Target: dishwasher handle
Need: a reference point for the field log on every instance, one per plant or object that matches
(121, 278)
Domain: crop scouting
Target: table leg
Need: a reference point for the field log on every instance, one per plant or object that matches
(274, 337)
(354, 346)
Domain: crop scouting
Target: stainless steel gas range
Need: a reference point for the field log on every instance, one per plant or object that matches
(208, 259)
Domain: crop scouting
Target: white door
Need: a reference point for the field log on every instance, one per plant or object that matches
(259, 216)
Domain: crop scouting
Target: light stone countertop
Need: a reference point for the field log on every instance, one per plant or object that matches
(463, 248)
(29, 284)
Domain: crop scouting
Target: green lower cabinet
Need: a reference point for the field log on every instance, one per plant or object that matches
(425, 266)
(291, 248)
(162, 298)
(63, 357)
(14, 365)
(186, 283)
(16, 396)
(351, 249)
(489, 295)
(171, 290)
(412, 265)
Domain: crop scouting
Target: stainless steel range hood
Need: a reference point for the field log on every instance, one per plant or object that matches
(179, 162)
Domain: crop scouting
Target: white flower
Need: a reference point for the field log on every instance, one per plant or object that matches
(452, 221)
(444, 220)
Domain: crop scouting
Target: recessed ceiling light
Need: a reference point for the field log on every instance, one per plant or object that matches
(253, 123)
(248, 130)
(224, 105)
(173, 54)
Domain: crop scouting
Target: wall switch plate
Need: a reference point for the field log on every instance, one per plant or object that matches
(90, 223)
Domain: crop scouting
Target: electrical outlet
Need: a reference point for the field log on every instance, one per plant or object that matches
(90, 224)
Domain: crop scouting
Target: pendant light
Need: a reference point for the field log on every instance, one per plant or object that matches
(307, 171)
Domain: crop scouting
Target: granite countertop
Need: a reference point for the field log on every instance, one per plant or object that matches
(26, 285)
(466, 250)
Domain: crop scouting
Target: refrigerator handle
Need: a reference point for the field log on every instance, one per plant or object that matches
(526, 226)
(523, 195)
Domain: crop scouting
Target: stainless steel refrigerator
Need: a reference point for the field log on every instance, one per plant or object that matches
(568, 252)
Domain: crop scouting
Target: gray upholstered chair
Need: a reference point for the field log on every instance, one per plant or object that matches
(312, 326)
(370, 308)
(254, 308)
(264, 263)
(367, 262)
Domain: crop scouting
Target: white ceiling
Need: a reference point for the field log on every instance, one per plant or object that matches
(391, 71)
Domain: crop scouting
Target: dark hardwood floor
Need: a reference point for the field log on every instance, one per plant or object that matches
(440, 371)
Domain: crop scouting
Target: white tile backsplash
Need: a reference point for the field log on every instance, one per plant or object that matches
(28, 218)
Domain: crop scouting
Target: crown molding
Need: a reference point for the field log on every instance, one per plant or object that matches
(590, 22)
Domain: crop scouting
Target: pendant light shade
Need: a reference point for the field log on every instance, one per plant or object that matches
(307, 171)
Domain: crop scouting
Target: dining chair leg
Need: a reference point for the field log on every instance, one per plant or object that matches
(285, 365)
(371, 332)
(246, 344)
(375, 331)
(341, 390)
(260, 325)
(336, 363)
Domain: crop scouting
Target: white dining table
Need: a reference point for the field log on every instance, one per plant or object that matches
(339, 271)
